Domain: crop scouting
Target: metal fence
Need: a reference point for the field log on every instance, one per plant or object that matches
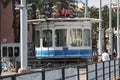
(108, 70)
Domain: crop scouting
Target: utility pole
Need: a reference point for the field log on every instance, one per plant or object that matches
(118, 24)
(23, 37)
(110, 28)
(86, 9)
(100, 29)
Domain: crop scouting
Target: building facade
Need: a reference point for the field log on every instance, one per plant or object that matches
(6, 18)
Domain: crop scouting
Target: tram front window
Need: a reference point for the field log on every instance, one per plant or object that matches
(16, 51)
(47, 38)
(61, 37)
(37, 38)
(76, 37)
(86, 37)
(10, 51)
(4, 53)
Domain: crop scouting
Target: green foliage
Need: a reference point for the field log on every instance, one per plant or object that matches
(93, 12)
(48, 7)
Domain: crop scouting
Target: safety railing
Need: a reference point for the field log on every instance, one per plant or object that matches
(107, 70)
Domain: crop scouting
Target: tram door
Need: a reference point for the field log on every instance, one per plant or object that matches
(43, 42)
(47, 42)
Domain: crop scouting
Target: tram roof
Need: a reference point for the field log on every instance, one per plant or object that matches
(92, 20)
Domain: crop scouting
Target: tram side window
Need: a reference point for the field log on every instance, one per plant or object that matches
(37, 39)
(47, 38)
(4, 53)
(61, 37)
(10, 51)
(17, 51)
(76, 37)
(86, 37)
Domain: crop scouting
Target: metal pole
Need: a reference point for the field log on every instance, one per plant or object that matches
(23, 35)
(86, 8)
(110, 28)
(100, 29)
(118, 39)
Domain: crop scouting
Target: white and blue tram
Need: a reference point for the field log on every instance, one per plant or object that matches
(58, 37)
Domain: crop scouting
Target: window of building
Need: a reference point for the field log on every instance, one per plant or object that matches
(47, 38)
(61, 37)
(76, 37)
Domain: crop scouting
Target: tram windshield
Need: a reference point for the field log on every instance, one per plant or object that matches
(86, 37)
(61, 37)
(10, 51)
(76, 37)
(47, 38)
(37, 38)
(4, 51)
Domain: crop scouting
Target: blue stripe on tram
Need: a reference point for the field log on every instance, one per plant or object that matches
(62, 53)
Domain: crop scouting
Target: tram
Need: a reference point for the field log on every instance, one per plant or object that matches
(59, 37)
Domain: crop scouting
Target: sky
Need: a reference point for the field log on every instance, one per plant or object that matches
(96, 3)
